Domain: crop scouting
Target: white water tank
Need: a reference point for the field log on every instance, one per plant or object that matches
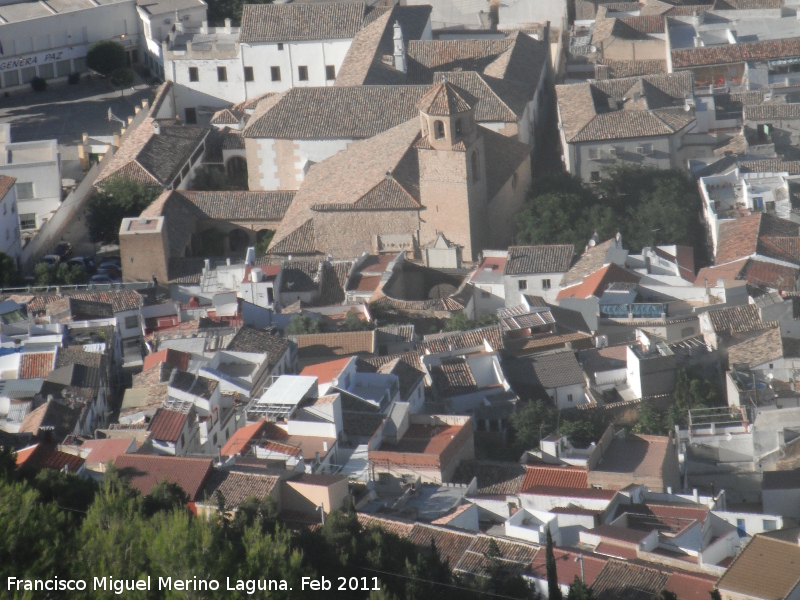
(256, 275)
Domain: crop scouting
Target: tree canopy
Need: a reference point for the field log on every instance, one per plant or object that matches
(648, 206)
(106, 56)
(9, 275)
(119, 198)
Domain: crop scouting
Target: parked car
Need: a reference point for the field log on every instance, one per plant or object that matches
(51, 260)
(110, 270)
(114, 261)
(82, 261)
(64, 250)
(102, 278)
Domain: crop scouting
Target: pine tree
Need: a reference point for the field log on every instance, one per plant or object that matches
(554, 590)
(579, 591)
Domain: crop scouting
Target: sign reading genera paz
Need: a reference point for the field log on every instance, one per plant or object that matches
(31, 60)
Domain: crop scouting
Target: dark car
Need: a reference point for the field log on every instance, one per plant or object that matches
(86, 263)
(113, 261)
(110, 270)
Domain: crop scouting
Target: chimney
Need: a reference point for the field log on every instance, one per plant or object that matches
(695, 495)
(204, 27)
(227, 25)
(325, 446)
(399, 49)
(156, 128)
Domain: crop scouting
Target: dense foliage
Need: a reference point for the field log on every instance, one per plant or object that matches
(56, 524)
(9, 274)
(647, 205)
(301, 324)
(119, 198)
(61, 274)
(461, 322)
(106, 56)
(219, 10)
(692, 390)
(122, 78)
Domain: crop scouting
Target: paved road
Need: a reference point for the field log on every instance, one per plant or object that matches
(65, 112)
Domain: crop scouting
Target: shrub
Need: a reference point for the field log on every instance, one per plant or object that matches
(74, 78)
(38, 84)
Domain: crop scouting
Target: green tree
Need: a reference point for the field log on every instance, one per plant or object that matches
(461, 322)
(351, 322)
(210, 178)
(579, 590)
(651, 421)
(665, 595)
(553, 588)
(164, 497)
(122, 78)
(105, 57)
(715, 595)
(581, 432)
(532, 419)
(264, 240)
(9, 274)
(61, 274)
(692, 390)
(120, 197)
(301, 324)
(219, 10)
(38, 84)
(67, 490)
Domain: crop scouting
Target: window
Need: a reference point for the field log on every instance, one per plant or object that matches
(276, 73)
(28, 73)
(569, 397)
(545, 284)
(302, 73)
(194, 74)
(46, 71)
(63, 68)
(280, 46)
(330, 72)
(214, 440)
(740, 525)
(438, 129)
(27, 221)
(222, 74)
(183, 440)
(24, 191)
(770, 525)
(476, 170)
(132, 322)
(191, 116)
(248, 74)
(595, 176)
(11, 78)
(594, 153)
(523, 284)
(770, 366)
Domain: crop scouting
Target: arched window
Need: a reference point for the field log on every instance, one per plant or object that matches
(236, 169)
(476, 172)
(438, 129)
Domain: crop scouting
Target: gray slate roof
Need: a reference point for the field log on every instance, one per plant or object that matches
(297, 22)
(527, 260)
(556, 369)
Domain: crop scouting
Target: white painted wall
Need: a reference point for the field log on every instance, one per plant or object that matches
(9, 225)
(535, 286)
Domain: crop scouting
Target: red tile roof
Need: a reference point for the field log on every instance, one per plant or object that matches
(36, 364)
(550, 490)
(568, 567)
(47, 456)
(690, 586)
(103, 451)
(176, 358)
(616, 550)
(566, 477)
(167, 424)
(596, 283)
(240, 441)
(145, 471)
(326, 371)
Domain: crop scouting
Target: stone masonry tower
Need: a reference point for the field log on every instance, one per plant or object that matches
(452, 170)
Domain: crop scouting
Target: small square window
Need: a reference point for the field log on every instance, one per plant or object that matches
(280, 46)
(27, 221)
(523, 284)
(569, 397)
(222, 74)
(191, 116)
(770, 525)
(545, 284)
(595, 176)
(248, 74)
(276, 73)
(24, 191)
(330, 72)
(594, 153)
(194, 74)
(302, 73)
(132, 322)
(770, 366)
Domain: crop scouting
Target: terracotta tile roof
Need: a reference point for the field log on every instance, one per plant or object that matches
(424, 446)
(625, 581)
(514, 557)
(6, 183)
(565, 477)
(497, 100)
(690, 586)
(595, 284)
(590, 261)
(427, 56)
(62, 419)
(555, 369)
(47, 456)
(616, 550)
(758, 233)
(120, 301)
(402, 529)
(567, 567)
(146, 471)
(106, 450)
(527, 260)
(666, 518)
(728, 272)
(642, 455)
(444, 99)
(613, 69)
(649, 105)
(174, 358)
(159, 373)
(336, 112)
(166, 425)
(36, 364)
(734, 53)
(494, 477)
(765, 568)
(763, 348)
(326, 371)
(240, 205)
(763, 112)
(453, 377)
(236, 486)
(463, 340)
(252, 339)
(736, 319)
(770, 166)
(336, 344)
(450, 544)
(299, 22)
(241, 440)
(766, 274)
